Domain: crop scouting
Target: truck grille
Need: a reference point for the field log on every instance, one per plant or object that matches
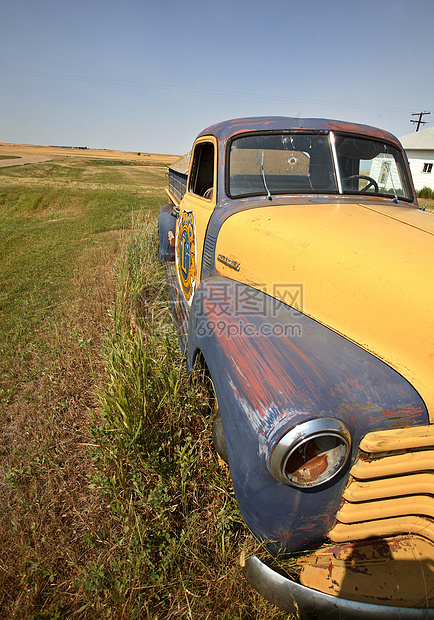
(208, 254)
(391, 487)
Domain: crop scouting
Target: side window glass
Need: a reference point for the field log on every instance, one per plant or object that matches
(202, 172)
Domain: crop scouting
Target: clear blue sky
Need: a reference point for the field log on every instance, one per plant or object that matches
(144, 75)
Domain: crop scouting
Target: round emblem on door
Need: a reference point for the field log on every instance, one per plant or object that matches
(186, 254)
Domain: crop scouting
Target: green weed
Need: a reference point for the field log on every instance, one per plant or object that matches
(177, 515)
(425, 192)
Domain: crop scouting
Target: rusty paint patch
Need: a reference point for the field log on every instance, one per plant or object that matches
(309, 467)
(397, 571)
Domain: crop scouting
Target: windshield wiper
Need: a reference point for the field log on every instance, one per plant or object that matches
(264, 180)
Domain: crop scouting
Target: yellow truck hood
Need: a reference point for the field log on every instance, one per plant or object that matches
(366, 272)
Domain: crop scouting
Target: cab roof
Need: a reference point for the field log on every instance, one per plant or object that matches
(230, 128)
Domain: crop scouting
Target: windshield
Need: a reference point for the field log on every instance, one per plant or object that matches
(288, 163)
(299, 163)
(371, 167)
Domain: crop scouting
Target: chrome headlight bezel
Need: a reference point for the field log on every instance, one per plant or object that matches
(311, 453)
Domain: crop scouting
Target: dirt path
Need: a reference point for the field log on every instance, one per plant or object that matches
(22, 159)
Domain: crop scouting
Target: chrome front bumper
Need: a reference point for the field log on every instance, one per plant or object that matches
(310, 604)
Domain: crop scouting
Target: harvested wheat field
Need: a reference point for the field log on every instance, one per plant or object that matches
(32, 153)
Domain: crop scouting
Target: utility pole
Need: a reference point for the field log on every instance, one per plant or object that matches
(419, 120)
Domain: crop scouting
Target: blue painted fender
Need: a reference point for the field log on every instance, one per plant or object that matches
(273, 368)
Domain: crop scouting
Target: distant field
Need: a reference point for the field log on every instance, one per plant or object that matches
(53, 152)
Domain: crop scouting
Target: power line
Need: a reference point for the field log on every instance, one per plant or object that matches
(193, 89)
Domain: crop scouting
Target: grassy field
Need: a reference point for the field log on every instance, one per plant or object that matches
(113, 503)
(54, 152)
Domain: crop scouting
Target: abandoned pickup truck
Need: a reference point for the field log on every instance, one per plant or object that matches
(300, 272)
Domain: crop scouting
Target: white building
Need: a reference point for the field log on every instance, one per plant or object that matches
(419, 147)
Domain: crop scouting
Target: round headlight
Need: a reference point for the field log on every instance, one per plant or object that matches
(311, 453)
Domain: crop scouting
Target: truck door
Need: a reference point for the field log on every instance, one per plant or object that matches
(195, 211)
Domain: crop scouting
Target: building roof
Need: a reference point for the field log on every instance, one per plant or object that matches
(423, 140)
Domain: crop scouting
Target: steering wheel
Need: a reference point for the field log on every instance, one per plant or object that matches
(371, 182)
